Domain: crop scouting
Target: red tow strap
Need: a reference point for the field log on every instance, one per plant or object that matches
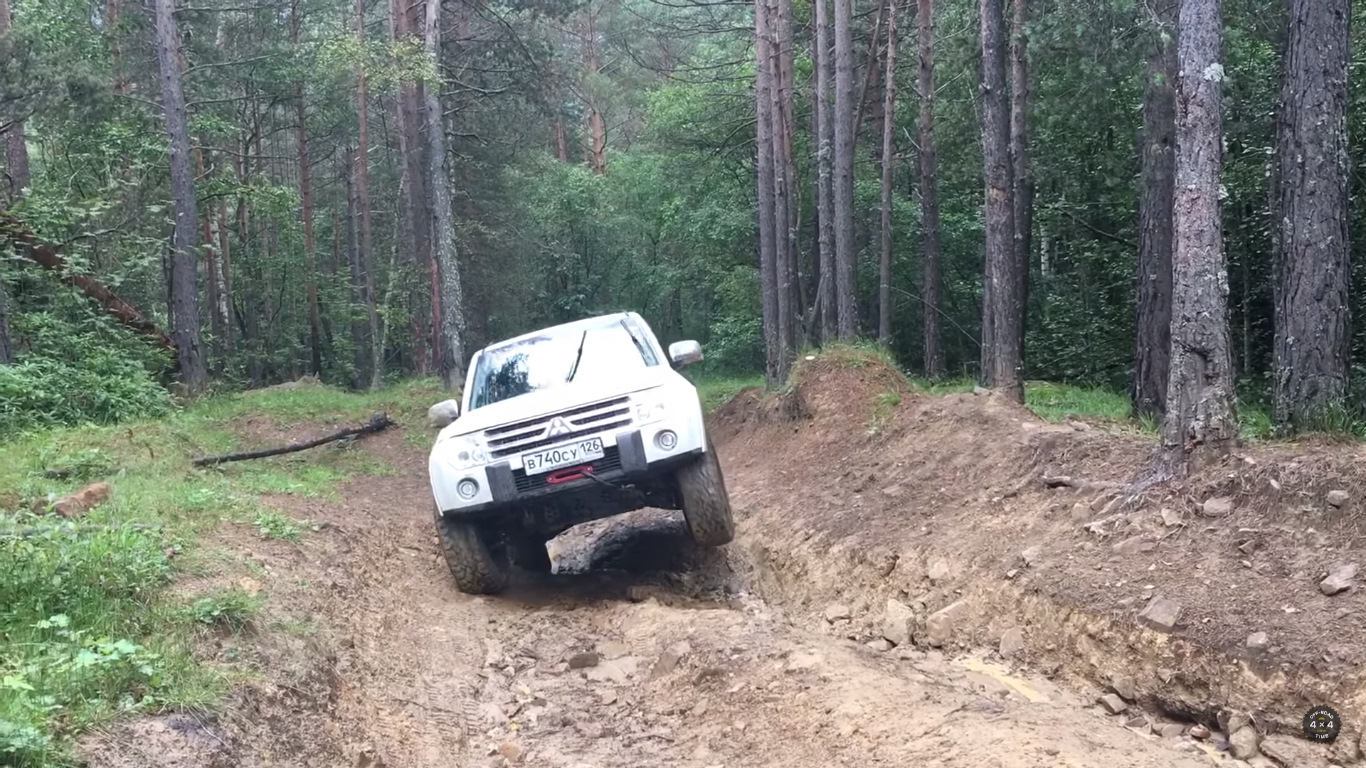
(568, 474)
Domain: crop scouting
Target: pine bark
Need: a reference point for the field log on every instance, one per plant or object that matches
(845, 108)
(1201, 420)
(415, 221)
(16, 178)
(1000, 344)
(929, 194)
(597, 130)
(373, 369)
(884, 293)
(825, 201)
(784, 197)
(1152, 344)
(1312, 337)
(452, 297)
(184, 291)
(766, 190)
(1022, 188)
(306, 199)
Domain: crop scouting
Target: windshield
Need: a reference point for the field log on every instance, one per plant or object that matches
(554, 358)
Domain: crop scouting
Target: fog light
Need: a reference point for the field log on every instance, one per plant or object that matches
(666, 440)
(467, 488)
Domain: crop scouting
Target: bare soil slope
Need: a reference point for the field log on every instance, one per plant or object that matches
(947, 499)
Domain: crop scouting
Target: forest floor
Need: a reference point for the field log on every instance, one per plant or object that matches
(903, 590)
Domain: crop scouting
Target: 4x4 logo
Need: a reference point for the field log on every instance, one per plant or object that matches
(559, 426)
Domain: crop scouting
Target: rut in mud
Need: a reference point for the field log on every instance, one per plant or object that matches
(644, 652)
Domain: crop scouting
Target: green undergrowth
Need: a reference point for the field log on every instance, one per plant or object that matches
(87, 631)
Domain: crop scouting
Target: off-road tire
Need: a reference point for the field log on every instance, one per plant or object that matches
(477, 568)
(529, 553)
(706, 505)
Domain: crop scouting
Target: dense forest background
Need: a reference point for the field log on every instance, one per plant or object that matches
(367, 190)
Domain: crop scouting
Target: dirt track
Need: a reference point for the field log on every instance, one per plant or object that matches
(395, 668)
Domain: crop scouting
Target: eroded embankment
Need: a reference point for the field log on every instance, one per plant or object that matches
(929, 518)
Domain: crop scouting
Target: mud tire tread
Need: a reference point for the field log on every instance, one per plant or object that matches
(473, 564)
(706, 504)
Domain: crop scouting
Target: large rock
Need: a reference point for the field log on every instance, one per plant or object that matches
(1161, 614)
(898, 622)
(1338, 498)
(1113, 704)
(1242, 743)
(1339, 579)
(939, 627)
(443, 413)
(1012, 642)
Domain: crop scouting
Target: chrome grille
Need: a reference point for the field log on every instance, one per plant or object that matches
(583, 421)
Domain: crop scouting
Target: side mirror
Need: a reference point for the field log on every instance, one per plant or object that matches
(441, 415)
(685, 353)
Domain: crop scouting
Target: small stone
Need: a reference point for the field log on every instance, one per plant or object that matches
(668, 660)
(1031, 555)
(1218, 506)
(1113, 704)
(1134, 545)
(1080, 511)
(939, 571)
(510, 751)
(837, 612)
(1242, 744)
(897, 622)
(1171, 517)
(939, 627)
(1199, 731)
(880, 645)
(608, 696)
(1160, 615)
(847, 729)
(612, 649)
(1012, 642)
(584, 660)
(980, 391)
(1124, 686)
(1338, 497)
(493, 713)
(1139, 724)
(1339, 579)
(1173, 730)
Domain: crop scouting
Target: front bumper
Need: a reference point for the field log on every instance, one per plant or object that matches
(628, 454)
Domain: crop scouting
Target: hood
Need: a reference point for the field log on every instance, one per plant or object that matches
(581, 391)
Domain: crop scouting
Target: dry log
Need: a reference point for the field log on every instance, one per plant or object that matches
(378, 422)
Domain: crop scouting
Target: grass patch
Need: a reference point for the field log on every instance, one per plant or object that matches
(87, 631)
(717, 391)
(884, 408)
(1060, 402)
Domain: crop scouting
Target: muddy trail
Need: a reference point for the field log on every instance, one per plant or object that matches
(642, 651)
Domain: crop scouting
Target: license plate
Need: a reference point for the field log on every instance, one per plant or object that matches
(562, 456)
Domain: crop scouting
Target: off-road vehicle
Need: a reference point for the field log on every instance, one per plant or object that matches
(564, 425)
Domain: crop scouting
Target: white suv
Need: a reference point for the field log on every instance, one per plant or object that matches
(568, 424)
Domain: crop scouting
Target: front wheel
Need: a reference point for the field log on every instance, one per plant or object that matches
(706, 505)
(473, 563)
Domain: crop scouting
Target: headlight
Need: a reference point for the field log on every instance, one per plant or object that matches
(466, 452)
(649, 411)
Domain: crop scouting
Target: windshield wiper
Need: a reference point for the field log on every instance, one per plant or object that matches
(575, 369)
(639, 347)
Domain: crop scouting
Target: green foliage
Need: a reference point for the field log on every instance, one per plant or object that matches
(273, 525)
(228, 608)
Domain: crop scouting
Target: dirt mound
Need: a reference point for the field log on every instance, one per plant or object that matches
(971, 499)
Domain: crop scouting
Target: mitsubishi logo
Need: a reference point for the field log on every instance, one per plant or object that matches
(559, 426)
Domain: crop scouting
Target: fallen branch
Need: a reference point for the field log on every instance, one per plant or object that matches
(378, 422)
(45, 255)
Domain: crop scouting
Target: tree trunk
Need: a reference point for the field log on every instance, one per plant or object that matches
(1022, 189)
(306, 198)
(1000, 345)
(353, 260)
(597, 130)
(929, 194)
(1152, 346)
(780, 33)
(768, 224)
(452, 292)
(1312, 342)
(845, 276)
(884, 292)
(825, 204)
(184, 304)
(416, 221)
(375, 364)
(1201, 419)
(17, 174)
